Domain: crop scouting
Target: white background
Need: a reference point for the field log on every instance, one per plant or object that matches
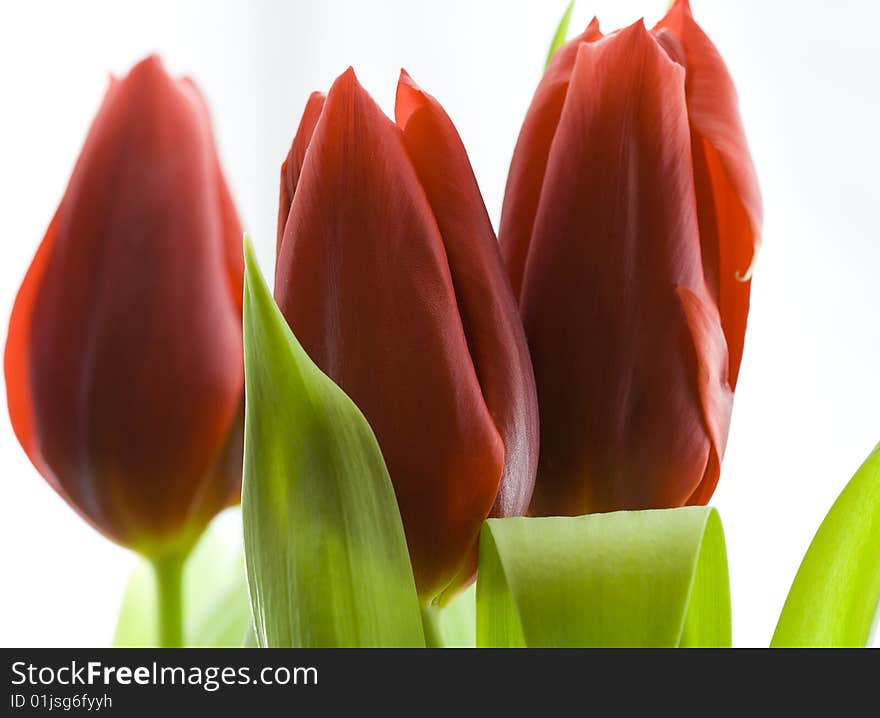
(807, 410)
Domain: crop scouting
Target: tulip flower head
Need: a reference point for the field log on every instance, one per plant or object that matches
(389, 274)
(123, 360)
(630, 222)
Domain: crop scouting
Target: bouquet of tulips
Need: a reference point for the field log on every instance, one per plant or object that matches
(438, 437)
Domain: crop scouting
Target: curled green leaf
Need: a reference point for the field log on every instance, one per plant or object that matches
(629, 578)
(326, 557)
(834, 596)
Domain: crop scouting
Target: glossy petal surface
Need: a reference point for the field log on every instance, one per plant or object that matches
(368, 276)
(630, 223)
(292, 166)
(616, 232)
(728, 197)
(526, 176)
(488, 312)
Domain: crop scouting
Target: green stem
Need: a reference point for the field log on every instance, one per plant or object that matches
(169, 593)
(432, 627)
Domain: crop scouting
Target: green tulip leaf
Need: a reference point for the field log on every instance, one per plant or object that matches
(458, 620)
(561, 33)
(835, 594)
(216, 609)
(624, 579)
(454, 624)
(250, 638)
(326, 556)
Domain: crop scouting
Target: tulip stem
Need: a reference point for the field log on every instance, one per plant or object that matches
(169, 592)
(432, 628)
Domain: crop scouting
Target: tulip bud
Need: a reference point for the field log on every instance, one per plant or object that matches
(123, 359)
(630, 222)
(389, 274)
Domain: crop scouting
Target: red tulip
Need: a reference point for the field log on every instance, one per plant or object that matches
(389, 274)
(630, 222)
(123, 360)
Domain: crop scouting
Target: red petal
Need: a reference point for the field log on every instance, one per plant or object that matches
(616, 231)
(728, 196)
(228, 214)
(126, 337)
(363, 279)
(292, 166)
(529, 162)
(17, 356)
(709, 375)
(489, 313)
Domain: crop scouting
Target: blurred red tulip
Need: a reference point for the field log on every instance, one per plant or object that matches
(630, 222)
(389, 274)
(123, 360)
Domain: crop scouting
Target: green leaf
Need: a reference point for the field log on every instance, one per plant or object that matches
(250, 638)
(458, 620)
(215, 599)
(327, 561)
(629, 578)
(561, 33)
(835, 594)
(452, 625)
